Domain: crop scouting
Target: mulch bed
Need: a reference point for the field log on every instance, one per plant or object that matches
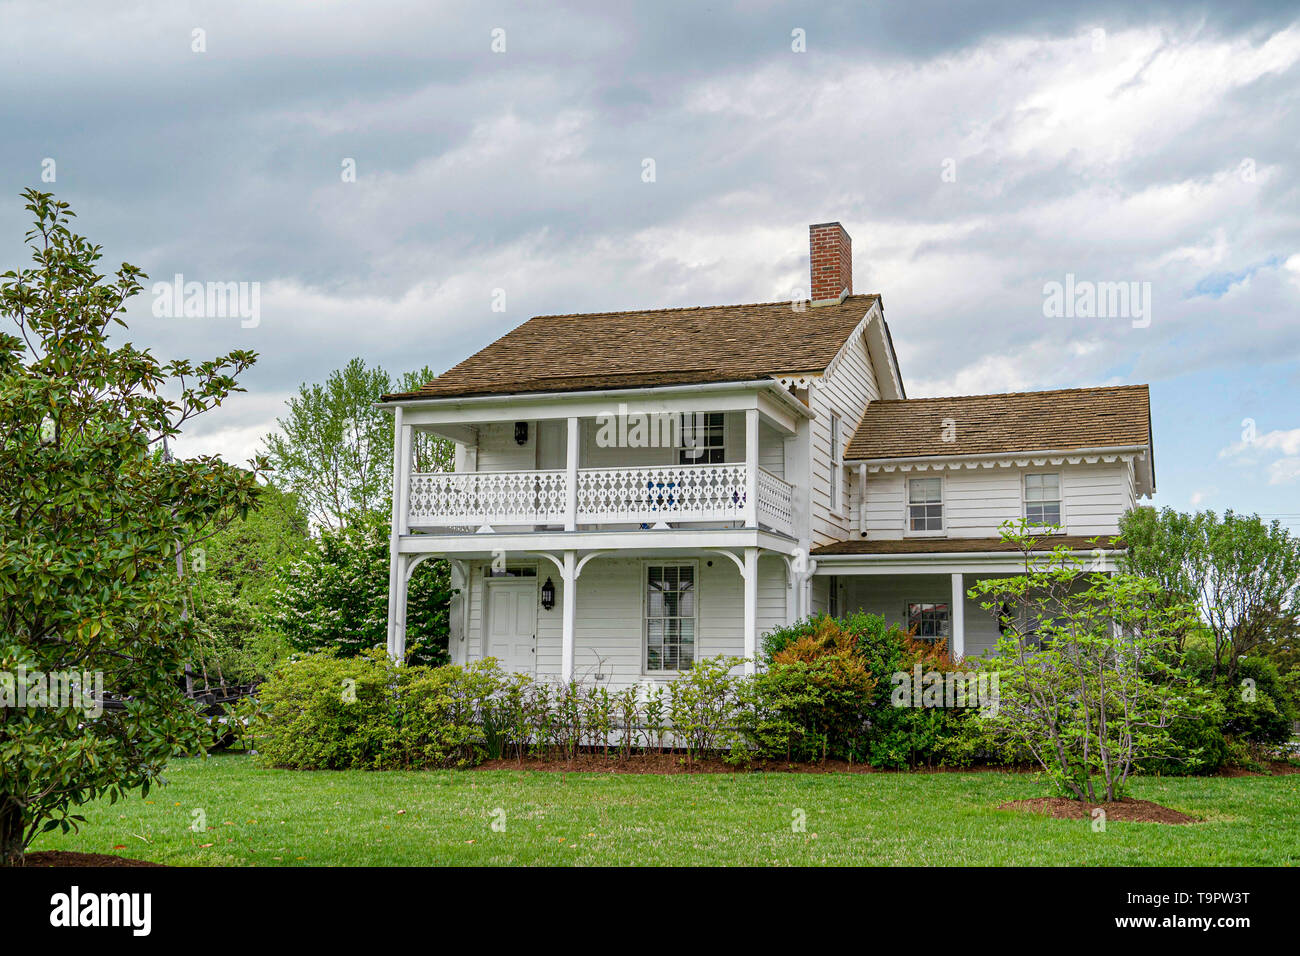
(68, 858)
(1126, 810)
(673, 763)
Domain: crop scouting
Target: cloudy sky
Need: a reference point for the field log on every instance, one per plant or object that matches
(975, 151)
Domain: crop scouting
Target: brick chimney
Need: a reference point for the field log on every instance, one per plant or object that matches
(831, 254)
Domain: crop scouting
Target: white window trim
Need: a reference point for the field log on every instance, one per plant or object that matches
(1024, 501)
(907, 619)
(943, 502)
(644, 585)
(838, 499)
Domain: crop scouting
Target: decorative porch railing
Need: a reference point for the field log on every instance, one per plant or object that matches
(644, 496)
(667, 493)
(487, 497)
(775, 502)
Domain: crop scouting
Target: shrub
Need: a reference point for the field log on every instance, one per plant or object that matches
(827, 693)
(323, 712)
(1195, 746)
(702, 705)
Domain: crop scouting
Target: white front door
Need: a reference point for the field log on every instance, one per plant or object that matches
(512, 623)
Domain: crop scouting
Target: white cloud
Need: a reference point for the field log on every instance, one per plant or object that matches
(1284, 471)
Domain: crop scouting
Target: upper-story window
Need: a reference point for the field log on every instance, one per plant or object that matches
(837, 466)
(703, 439)
(924, 504)
(1043, 499)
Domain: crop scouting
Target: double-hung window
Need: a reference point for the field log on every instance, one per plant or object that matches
(703, 439)
(924, 505)
(1043, 500)
(670, 617)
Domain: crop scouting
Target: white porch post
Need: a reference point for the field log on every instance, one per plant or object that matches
(571, 480)
(791, 593)
(957, 642)
(751, 608)
(751, 468)
(568, 613)
(396, 572)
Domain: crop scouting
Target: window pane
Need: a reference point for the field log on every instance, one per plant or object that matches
(928, 621)
(926, 517)
(924, 490)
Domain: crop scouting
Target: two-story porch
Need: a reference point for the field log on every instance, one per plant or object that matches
(626, 532)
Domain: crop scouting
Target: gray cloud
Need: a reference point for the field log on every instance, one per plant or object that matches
(522, 171)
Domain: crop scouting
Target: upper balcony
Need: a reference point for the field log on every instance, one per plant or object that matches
(717, 457)
(628, 497)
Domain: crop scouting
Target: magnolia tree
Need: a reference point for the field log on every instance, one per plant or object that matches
(92, 518)
(1088, 665)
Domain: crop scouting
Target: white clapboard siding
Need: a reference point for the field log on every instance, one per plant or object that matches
(609, 634)
(977, 501)
(498, 450)
(545, 448)
(771, 450)
(846, 392)
(889, 595)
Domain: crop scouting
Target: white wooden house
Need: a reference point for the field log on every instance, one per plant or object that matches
(635, 491)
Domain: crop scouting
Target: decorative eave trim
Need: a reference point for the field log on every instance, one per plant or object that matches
(798, 379)
(858, 332)
(1086, 456)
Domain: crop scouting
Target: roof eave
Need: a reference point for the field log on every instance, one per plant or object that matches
(765, 384)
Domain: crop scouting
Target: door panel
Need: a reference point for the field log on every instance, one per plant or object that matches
(512, 624)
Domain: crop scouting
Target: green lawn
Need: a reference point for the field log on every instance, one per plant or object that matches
(290, 818)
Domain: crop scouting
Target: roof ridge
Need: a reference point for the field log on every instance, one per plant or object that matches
(689, 308)
(1040, 391)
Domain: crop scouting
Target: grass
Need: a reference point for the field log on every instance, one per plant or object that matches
(261, 817)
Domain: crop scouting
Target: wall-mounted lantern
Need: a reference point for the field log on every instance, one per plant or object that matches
(521, 433)
(548, 594)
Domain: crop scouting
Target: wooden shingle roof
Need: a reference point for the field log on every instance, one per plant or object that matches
(658, 347)
(1009, 423)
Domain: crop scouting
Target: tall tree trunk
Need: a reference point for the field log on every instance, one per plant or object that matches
(11, 833)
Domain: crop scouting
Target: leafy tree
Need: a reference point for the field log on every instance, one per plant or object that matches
(336, 597)
(335, 449)
(1243, 574)
(91, 520)
(1088, 667)
(232, 582)
(335, 452)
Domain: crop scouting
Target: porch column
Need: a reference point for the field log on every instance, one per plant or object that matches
(751, 608)
(791, 593)
(751, 468)
(397, 518)
(957, 640)
(568, 613)
(571, 479)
